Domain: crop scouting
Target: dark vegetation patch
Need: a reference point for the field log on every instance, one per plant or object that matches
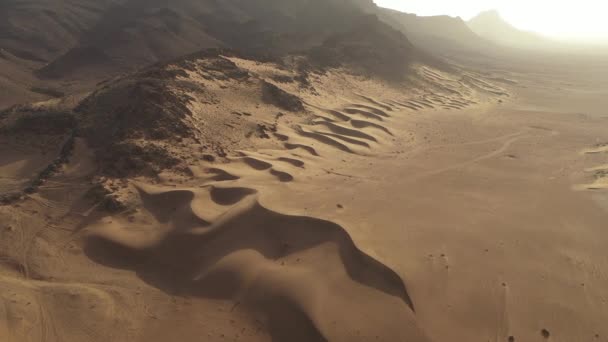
(282, 78)
(276, 96)
(134, 108)
(123, 159)
(131, 122)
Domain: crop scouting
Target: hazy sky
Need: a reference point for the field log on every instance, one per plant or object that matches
(568, 19)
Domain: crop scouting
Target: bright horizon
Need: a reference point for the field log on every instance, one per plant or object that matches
(583, 20)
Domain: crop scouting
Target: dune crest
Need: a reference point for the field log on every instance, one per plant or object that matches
(299, 274)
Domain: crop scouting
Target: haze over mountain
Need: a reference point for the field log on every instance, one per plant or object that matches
(492, 26)
(440, 34)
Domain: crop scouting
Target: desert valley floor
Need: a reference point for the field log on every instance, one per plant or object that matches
(391, 215)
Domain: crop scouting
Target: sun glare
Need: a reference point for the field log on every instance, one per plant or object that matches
(583, 19)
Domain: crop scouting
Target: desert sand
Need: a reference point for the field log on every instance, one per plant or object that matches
(225, 197)
(414, 216)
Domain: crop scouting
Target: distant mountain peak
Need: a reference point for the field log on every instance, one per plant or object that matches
(492, 26)
(490, 16)
(490, 13)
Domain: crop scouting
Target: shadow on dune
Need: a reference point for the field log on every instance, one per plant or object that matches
(247, 256)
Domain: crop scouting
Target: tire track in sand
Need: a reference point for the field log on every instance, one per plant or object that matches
(504, 147)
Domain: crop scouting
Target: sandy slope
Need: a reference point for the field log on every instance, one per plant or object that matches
(429, 214)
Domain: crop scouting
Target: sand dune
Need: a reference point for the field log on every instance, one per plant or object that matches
(189, 221)
(265, 261)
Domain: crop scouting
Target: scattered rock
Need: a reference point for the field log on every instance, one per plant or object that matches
(208, 158)
(99, 194)
(274, 95)
(129, 159)
(282, 78)
(545, 333)
(261, 130)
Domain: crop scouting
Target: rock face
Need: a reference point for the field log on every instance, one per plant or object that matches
(369, 45)
(70, 37)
